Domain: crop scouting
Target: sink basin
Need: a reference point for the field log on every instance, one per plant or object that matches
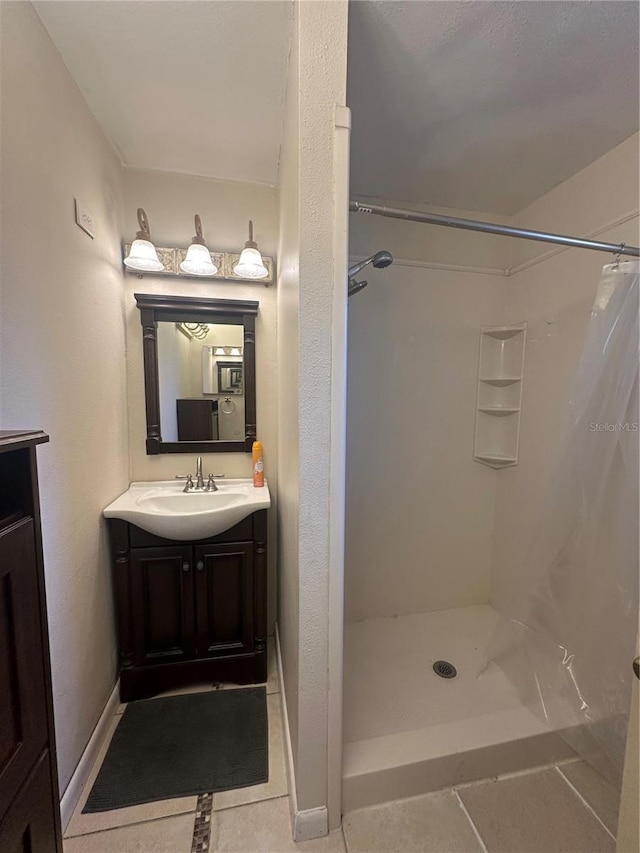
(189, 502)
(163, 508)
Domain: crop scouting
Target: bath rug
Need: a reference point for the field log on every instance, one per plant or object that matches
(180, 746)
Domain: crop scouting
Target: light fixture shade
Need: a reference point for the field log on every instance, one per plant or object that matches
(251, 264)
(219, 351)
(198, 261)
(143, 256)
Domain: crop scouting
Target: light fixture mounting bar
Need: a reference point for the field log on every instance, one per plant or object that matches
(224, 261)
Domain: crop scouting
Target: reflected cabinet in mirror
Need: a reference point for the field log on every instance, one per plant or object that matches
(199, 373)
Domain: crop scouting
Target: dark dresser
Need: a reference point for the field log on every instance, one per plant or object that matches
(29, 800)
(197, 420)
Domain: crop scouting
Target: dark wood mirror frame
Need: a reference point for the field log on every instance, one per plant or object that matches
(189, 309)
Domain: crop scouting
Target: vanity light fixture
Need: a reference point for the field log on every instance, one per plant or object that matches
(198, 260)
(227, 351)
(194, 330)
(250, 264)
(142, 255)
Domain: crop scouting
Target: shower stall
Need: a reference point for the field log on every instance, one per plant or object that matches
(472, 642)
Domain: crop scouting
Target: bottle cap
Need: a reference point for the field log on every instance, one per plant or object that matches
(257, 445)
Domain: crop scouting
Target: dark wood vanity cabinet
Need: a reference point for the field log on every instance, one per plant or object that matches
(197, 420)
(190, 611)
(29, 811)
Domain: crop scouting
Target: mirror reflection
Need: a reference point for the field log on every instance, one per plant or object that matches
(201, 381)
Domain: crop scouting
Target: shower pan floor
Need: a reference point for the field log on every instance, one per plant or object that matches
(408, 731)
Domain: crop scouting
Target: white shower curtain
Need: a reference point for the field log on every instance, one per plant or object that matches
(568, 639)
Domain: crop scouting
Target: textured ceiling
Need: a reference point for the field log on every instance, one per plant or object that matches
(195, 87)
(487, 105)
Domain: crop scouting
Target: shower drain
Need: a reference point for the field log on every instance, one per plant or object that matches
(445, 669)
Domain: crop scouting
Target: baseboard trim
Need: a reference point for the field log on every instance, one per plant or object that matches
(310, 823)
(71, 796)
(288, 748)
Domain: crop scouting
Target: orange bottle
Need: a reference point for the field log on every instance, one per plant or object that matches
(258, 464)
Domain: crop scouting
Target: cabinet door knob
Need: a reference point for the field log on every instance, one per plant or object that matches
(185, 566)
(200, 565)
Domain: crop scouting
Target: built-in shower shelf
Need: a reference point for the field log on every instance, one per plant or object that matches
(497, 411)
(500, 381)
(502, 333)
(499, 398)
(496, 461)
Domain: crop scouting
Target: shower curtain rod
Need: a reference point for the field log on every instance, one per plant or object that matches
(492, 228)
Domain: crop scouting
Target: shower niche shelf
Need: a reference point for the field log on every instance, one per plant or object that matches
(499, 399)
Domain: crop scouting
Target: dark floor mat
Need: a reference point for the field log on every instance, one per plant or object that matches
(183, 745)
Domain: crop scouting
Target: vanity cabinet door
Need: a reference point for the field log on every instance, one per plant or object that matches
(29, 824)
(162, 599)
(23, 720)
(224, 598)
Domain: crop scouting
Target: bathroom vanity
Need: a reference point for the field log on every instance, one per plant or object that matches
(29, 812)
(190, 611)
(190, 567)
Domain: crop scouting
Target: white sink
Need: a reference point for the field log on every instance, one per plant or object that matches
(165, 509)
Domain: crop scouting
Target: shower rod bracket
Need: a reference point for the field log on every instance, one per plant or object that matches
(492, 228)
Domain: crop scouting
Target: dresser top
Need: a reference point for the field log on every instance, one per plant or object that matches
(13, 439)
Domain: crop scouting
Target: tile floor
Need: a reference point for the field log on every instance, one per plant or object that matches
(568, 808)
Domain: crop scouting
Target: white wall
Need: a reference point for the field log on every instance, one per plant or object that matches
(174, 376)
(288, 392)
(63, 354)
(306, 311)
(225, 207)
(559, 287)
(420, 511)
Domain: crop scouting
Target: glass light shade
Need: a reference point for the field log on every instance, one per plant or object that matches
(219, 351)
(198, 261)
(235, 351)
(143, 256)
(251, 264)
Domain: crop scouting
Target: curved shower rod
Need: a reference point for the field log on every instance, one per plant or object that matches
(492, 228)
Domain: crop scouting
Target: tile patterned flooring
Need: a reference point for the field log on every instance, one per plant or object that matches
(568, 808)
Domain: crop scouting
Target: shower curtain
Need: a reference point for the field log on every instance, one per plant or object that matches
(568, 639)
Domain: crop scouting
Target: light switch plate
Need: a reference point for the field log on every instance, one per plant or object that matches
(84, 219)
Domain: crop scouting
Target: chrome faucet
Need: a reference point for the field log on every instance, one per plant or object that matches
(199, 485)
(199, 477)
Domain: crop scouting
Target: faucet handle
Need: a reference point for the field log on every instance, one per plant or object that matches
(189, 484)
(211, 484)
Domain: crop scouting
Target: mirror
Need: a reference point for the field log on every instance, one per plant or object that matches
(199, 368)
(229, 378)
